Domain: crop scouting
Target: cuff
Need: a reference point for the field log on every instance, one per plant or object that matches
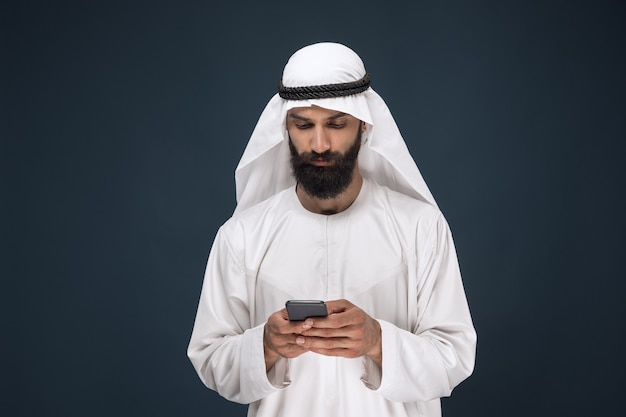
(278, 375)
(253, 365)
(379, 379)
(372, 375)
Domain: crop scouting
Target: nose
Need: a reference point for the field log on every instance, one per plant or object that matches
(319, 141)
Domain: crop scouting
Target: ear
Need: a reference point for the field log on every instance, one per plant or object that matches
(363, 126)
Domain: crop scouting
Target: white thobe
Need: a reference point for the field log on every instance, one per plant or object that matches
(389, 254)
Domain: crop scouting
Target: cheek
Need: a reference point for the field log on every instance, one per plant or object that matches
(298, 139)
(347, 139)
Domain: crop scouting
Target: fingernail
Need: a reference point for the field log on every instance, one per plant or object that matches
(307, 324)
(300, 340)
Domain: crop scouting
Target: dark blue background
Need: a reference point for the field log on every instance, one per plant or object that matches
(121, 126)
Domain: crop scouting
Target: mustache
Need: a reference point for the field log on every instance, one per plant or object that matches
(326, 156)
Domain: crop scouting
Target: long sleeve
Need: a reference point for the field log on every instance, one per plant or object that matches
(429, 361)
(225, 350)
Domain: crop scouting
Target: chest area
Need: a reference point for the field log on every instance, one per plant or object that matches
(330, 257)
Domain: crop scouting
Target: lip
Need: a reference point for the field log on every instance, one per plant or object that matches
(321, 163)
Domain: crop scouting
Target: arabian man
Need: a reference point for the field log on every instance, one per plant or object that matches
(332, 207)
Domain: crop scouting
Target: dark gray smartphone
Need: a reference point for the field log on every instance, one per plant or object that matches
(301, 309)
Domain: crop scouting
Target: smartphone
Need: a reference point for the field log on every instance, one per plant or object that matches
(301, 309)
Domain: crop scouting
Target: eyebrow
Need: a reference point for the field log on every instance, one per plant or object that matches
(306, 119)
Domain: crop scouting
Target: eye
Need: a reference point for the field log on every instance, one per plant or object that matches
(337, 125)
(303, 126)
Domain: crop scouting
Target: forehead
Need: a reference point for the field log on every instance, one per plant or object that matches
(316, 113)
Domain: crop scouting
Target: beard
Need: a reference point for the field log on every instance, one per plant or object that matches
(325, 182)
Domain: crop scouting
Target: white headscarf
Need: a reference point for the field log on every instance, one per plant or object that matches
(264, 168)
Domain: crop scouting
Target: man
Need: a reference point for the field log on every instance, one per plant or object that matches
(331, 206)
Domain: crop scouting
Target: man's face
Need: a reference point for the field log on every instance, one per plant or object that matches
(324, 148)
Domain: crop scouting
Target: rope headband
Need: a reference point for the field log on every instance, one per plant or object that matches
(324, 91)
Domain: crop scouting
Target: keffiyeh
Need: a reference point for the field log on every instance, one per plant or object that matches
(264, 168)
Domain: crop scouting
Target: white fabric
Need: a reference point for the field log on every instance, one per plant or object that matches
(389, 254)
(264, 167)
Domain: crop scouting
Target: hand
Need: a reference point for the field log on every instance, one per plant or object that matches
(279, 337)
(348, 332)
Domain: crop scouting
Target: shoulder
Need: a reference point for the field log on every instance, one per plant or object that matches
(258, 218)
(419, 224)
(405, 208)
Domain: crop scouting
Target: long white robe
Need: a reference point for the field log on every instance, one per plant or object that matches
(389, 254)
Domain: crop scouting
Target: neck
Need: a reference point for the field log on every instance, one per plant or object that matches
(336, 204)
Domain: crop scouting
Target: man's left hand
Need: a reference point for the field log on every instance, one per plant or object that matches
(348, 332)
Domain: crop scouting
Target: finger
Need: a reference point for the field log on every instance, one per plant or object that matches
(341, 352)
(287, 341)
(338, 306)
(279, 326)
(325, 342)
(291, 351)
(338, 320)
(350, 332)
(281, 317)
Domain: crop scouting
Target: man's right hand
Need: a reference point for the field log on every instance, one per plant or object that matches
(279, 337)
